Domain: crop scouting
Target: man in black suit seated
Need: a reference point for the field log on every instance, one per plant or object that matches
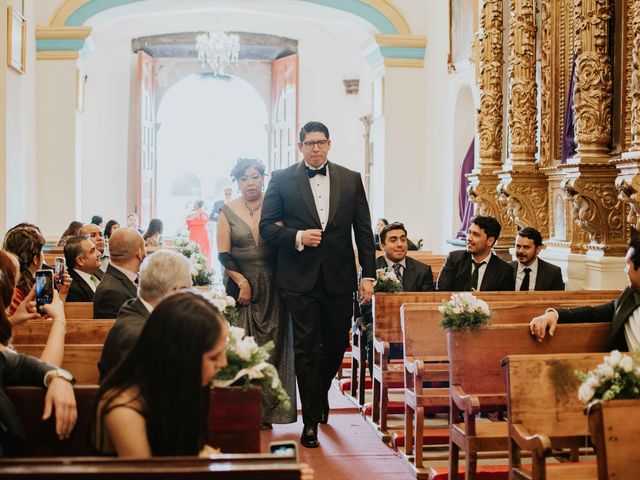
(94, 233)
(623, 312)
(413, 275)
(161, 274)
(83, 264)
(477, 268)
(531, 272)
(120, 282)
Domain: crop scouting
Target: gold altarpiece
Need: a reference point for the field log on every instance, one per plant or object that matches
(590, 202)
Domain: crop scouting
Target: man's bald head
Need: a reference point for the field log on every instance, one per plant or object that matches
(126, 245)
(93, 233)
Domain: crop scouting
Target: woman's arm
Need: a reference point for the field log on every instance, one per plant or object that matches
(54, 349)
(126, 429)
(224, 255)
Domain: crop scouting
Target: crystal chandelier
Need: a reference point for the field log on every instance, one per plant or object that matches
(218, 49)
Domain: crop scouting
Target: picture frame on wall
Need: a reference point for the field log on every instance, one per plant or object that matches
(463, 24)
(16, 40)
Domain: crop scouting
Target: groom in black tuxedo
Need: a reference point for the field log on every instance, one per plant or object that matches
(309, 212)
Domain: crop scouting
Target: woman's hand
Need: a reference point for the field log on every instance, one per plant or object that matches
(244, 298)
(55, 309)
(26, 310)
(64, 288)
(61, 399)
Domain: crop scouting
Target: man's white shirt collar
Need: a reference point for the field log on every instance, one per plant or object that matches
(533, 266)
(402, 262)
(86, 277)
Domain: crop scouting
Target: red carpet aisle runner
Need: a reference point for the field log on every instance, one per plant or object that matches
(348, 447)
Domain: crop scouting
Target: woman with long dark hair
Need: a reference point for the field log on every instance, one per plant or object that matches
(152, 235)
(72, 231)
(155, 402)
(109, 228)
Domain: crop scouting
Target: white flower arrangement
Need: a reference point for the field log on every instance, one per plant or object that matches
(225, 304)
(386, 281)
(464, 311)
(200, 271)
(247, 365)
(618, 377)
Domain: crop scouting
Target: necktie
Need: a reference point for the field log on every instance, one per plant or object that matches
(474, 275)
(524, 287)
(397, 267)
(321, 171)
(95, 280)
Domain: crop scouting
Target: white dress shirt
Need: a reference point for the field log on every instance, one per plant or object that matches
(532, 275)
(402, 262)
(632, 331)
(481, 268)
(87, 278)
(320, 187)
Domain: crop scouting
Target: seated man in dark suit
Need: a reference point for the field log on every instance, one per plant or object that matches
(531, 272)
(161, 274)
(96, 235)
(477, 268)
(623, 312)
(120, 282)
(414, 276)
(83, 265)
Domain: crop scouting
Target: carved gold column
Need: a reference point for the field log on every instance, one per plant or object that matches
(628, 180)
(483, 181)
(523, 189)
(589, 181)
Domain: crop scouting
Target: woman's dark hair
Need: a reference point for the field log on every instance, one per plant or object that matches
(108, 227)
(243, 163)
(26, 243)
(96, 219)
(155, 226)
(165, 365)
(7, 285)
(73, 229)
(199, 203)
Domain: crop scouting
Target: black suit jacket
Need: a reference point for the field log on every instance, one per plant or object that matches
(115, 288)
(79, 290)
(455, 275)
(289, 199)
(617, 312)
(123, 335)
(548, 277)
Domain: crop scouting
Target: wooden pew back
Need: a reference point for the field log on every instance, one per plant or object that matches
(80, 359)
(475, 356)
(78, 331)
(233, 423)
(542, 392)
(614, 430)
(78, 310)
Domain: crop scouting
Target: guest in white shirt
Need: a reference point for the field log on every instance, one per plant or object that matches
(531, 272)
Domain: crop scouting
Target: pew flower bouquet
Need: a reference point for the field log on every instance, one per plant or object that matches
(386, 281)
(200, 271)
(617, 378)
(464, 312)
(225, 304)
(248, 365)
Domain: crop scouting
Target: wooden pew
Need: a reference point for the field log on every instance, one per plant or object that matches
(388, 329)
(80, 359)
(223, 467)
(233, 424)
(477, 380)
(78, 331)
(614, 431)
(78, 310)
(552, 417)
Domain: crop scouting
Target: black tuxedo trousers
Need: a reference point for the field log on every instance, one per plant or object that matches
(318, 315)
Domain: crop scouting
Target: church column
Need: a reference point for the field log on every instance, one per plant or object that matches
(483, 181)
(4, 201)
(59, 90)
(523, 189)
(628, 180)
(589, 177)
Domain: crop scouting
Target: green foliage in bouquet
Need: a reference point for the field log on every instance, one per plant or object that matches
(617, 378)
(201, 274)
(386, 281)
(464, 312)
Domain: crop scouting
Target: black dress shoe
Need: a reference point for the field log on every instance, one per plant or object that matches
(309, 437)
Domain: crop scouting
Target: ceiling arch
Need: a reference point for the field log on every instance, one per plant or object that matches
(382, 14)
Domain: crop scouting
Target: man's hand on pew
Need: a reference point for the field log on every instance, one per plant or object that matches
(60, 398)
(539, 325)
(366, 290)
(26, 310)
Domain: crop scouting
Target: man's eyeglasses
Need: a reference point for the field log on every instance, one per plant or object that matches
(318, 143)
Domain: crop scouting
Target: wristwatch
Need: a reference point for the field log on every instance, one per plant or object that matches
(59, 372)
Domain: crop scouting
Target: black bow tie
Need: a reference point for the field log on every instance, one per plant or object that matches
(321, 171)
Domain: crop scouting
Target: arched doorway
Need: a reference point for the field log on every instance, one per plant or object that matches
(205, 126)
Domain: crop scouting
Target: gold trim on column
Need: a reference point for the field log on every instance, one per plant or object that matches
(57, 55)
(406, 41)
(79, 33)
(404, 62)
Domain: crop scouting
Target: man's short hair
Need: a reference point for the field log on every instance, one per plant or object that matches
(634, 243)
(489, 224)
(391, 226)
(313, 127)
(162, 272)
(72, 249)
(532, 234)
(96, 219)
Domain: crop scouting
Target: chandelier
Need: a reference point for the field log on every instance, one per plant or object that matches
(217, 49)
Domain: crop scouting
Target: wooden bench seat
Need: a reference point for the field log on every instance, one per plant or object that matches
(477, 379)
(78, 310)
(79, 359)
(78, 331)
(234, 421)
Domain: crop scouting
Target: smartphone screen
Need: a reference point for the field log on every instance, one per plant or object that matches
(284, 449)
(60, 269)
(44, 287)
